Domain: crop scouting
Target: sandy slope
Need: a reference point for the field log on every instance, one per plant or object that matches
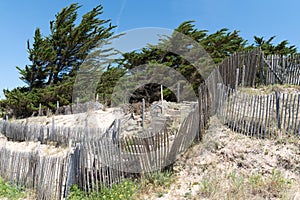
(226, 163)
(97, 119)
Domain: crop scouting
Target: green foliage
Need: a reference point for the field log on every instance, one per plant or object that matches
(278, 182)
(238, 181)
(24, 103)
(161, 179)
(107, 83)
(269, 48)
(223, 43)
(122, 191)
(76, 193)
(58, 56)
(21, 102)
(35, 74)
(11, 192)
(168, 52)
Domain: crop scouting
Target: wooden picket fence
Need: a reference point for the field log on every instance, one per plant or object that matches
(62, 136)
(74, 108)
(249, 69)
(259, 115)
(256, 115)
(244, 69)
(47, 175)
(283, 69)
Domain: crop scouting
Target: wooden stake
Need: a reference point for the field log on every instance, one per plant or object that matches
(57, 107)
(40, 109)
(243, 76)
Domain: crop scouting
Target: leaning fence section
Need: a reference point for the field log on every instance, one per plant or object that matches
(102, 163)
(282, 69)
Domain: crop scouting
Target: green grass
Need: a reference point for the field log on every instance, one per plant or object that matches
(11, 191)
(122, 191)
(128, 189)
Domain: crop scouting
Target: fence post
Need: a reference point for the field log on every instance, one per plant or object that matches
(162, 98)
(40, 109)
(178, 92)
(119, 129)
(114, 134)
(261, 69)
(57, 108)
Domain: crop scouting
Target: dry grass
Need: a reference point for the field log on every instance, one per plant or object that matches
(157, 184)
(236, 185)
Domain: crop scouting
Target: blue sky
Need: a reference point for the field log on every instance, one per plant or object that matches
(266, 18)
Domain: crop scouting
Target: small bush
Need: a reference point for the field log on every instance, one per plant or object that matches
(11, 192)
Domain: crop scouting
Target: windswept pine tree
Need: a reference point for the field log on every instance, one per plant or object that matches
(269, 48)
(56, 58)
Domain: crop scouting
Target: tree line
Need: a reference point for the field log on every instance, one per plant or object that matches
(55, 60)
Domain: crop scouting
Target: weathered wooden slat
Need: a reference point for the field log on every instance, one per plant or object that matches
(297, 114)
(285, 105)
